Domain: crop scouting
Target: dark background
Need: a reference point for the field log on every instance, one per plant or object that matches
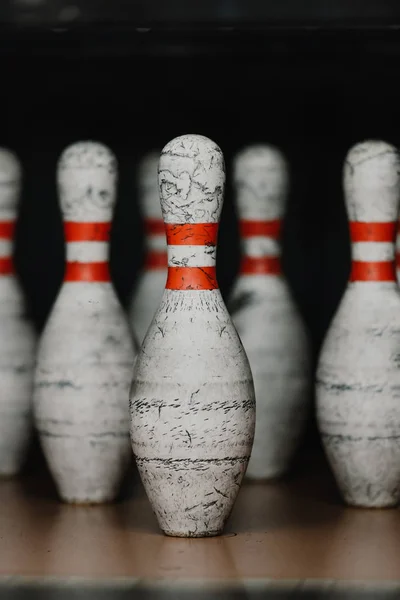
(310, 77)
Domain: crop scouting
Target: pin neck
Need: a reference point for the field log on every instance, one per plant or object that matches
(87, 247)
(373, 256)
(261, 250)
(155, 245)
(7, 231)
(192, 256)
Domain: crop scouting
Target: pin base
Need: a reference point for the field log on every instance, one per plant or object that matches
(86, 501)
(185, 534)
(253, 480)
(378, 504)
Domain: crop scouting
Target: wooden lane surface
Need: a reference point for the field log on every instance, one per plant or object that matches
(294, 529)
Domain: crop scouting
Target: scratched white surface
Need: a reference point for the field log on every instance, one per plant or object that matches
(86, 352)
(358, 377)
(18, 338)
(192, 396)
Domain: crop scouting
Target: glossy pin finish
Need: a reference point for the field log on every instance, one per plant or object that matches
(192, 396)
(265, 315)
(358, 377)
(18, 338)
(149, 289)
(86, 352)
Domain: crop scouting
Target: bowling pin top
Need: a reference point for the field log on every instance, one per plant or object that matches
(87, 176)
(191, 177)
(372, 193)
(147, 182)
(10, 183)
(261, 182)
(371, 182)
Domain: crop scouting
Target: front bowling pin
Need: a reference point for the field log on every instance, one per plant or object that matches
(358, 376)
(265, 314)
(86, 352)
(147, 293)
(17, 335)
(192, 396)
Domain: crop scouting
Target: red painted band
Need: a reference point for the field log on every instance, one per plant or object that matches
(96, 271)
(191, 278)
(263, 228)
(372, 232)
(156, 259)
(398, 259)
(263, 265)
(192, 234)
(7, 229)
(372, 271)
(86, 232)
(154, 227)
(6, 266)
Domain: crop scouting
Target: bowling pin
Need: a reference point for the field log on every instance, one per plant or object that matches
(18, 339)
(265, 314)
(192, 397)
(86, 352)
(358, 376)
(149, 289)
(397, 249)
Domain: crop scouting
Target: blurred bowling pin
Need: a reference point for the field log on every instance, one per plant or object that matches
(358, 377)
(86, 352)
(192, 395)
(18, 339)
(397, 249)
(149, 289)
(265, 314)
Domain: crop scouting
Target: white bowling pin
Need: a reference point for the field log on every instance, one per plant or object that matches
(18, 339)
(358, 376)
(192, 396)
(149, 289)
(86, 353)
(397, 250)
(265, 314)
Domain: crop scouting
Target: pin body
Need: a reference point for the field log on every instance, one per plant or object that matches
(18, 339)
(265, 315)
(398, 253)
(358, 376)
(86, 352)
(192, 396)
(147, 293)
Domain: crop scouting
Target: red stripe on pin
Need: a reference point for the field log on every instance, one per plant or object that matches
(372, 232)
(192, 234)
(7, 229)
(260, 265)
(154, 227)
(156, 259)
(94, 272)
(191, 278)
(6, 266)
(372, 271)
(260, 228)
(86, 232)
